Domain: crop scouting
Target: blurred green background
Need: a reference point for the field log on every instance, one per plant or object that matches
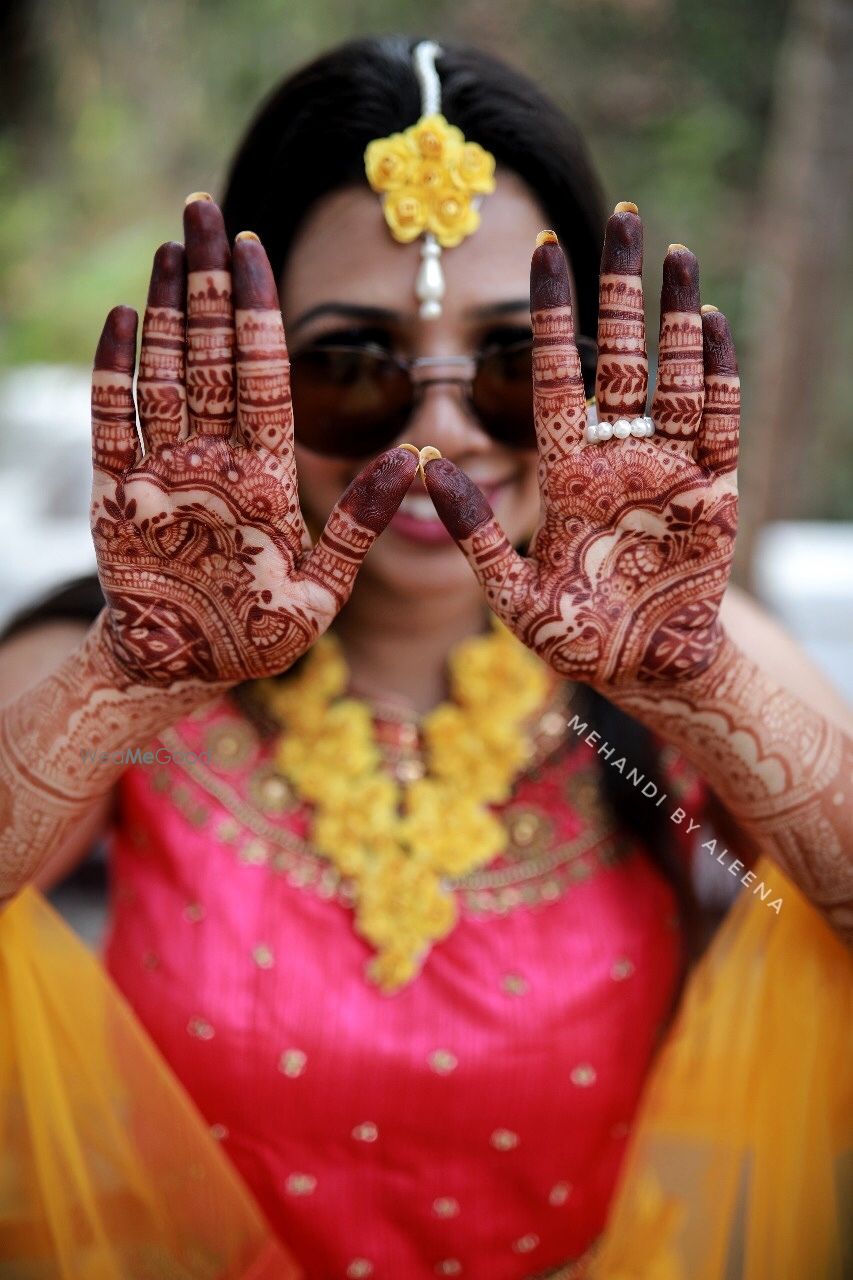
(719, 119)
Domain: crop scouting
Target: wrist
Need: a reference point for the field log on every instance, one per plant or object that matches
(104, 657)
(701, 684)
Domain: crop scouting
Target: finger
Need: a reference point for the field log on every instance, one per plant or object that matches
(677, 403)
(210, 320)
(504, 575)
(359, 516)
(559, 409)
(717, 442)
(622, 373)
(160, 386)
(264, 413)
(263, 383)
(114, 439)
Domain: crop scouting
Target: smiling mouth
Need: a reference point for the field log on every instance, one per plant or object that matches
(418, 504)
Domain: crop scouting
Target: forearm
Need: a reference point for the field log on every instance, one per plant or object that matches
(53, 744)
(781, 769)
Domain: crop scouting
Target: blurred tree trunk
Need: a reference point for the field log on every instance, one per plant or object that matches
(794, 286)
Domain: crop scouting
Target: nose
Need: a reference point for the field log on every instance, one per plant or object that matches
(441, 415)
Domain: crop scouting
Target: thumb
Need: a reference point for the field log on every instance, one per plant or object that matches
(505, 576)
(358, 517)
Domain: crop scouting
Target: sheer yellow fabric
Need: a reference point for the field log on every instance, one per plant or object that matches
(736, 1171)
(741, 1167)
(107, 1170)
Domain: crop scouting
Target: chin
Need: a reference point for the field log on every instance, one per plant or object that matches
(415, 571)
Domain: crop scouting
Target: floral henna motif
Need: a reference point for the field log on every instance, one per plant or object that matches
(199, 565)
(628, 565)
(626, 571)
(647, 551)
(203, 553)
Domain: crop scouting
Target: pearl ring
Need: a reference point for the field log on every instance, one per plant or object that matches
(620, 429)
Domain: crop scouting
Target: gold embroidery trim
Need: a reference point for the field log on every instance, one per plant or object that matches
(534, 872)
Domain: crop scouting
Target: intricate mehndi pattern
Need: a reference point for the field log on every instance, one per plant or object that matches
(625, 573)
(203, 554)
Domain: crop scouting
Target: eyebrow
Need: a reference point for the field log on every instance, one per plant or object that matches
(383, 315)
(349, 309)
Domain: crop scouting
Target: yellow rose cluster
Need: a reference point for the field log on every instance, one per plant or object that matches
(402, 843)
(428, 177)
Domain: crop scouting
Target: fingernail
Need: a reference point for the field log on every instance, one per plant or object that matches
(706, 309)
(673, 247)
(546, 237)
(426, 455)
(623, 243)
(680, 285)
(246, 235)
(626, 206)
(717, 344)
(549, 277)
(197, 195)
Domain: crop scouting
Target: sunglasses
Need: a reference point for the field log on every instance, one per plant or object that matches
(353, 402)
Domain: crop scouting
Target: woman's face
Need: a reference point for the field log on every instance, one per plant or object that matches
(344, 260)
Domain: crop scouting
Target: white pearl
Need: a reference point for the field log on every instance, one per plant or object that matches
(650, 427)
(638, 427)
(430, 310)
(605, 430)
(621, 428)
(430, 282)
(592, 433)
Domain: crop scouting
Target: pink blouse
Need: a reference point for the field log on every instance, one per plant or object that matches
(471, 1124)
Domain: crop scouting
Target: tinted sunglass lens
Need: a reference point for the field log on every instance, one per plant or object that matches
(502, 395)
(348, 403)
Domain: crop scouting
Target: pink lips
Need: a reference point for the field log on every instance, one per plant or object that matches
(431, 532)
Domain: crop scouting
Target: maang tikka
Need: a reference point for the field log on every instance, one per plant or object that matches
(431, 180)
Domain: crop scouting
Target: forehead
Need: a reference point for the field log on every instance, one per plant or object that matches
(345, 252)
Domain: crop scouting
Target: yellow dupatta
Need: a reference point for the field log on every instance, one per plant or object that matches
(736, 1169)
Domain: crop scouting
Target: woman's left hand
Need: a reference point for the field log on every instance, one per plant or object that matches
(625, 572)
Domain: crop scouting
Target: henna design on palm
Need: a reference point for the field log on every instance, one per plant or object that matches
(203, 554)
(628, 564)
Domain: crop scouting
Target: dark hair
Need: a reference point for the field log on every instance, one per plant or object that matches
(308, 139)
(310, 135)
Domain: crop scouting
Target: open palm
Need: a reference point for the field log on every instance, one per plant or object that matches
(627, 567)
(203, 554)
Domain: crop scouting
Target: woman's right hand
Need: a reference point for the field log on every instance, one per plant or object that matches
(203, 554)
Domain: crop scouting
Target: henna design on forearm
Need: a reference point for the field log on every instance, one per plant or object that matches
(782, 770)
(51, 740)
(205, 561)
(625, 573)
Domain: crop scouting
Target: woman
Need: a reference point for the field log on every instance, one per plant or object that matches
(447, 1087)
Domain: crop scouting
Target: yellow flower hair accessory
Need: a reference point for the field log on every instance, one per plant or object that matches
(431, 180)
(402, 843)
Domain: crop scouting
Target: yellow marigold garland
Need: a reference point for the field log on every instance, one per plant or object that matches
(402, 843)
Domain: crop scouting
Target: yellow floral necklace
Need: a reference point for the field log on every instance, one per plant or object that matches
(402, 842)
